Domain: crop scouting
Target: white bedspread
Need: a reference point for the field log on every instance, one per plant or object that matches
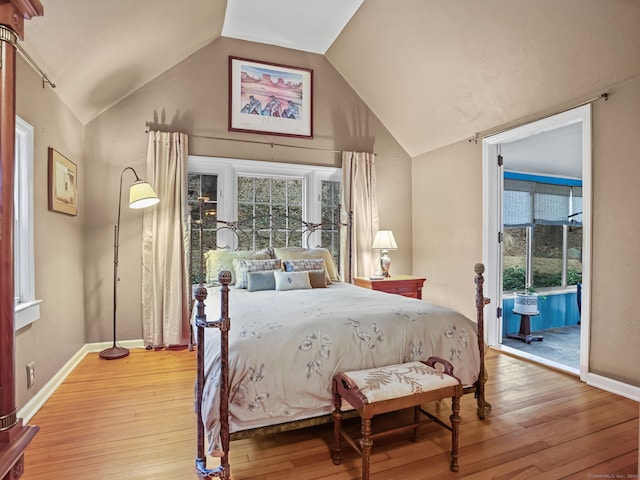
(286, 346)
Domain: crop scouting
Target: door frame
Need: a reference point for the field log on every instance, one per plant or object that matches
(492, 220)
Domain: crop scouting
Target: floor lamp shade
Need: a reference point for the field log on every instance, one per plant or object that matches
(384, 241)
(141, 195)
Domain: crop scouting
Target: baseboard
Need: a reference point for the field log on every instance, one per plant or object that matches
(32, 406)
(98, 347)
(619, 388)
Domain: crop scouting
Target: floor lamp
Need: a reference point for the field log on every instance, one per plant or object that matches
(141, 195)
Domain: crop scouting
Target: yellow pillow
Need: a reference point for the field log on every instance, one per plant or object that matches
(218, 260)
(300, 253)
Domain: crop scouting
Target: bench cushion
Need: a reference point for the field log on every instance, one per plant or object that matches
(400, 380)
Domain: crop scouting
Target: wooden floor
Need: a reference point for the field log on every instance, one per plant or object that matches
(133, 419)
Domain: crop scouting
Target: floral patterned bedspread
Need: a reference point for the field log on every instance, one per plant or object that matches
(286, 346)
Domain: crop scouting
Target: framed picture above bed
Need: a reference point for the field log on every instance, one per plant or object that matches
(270, 98)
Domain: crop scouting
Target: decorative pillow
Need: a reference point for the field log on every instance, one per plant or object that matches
(299, 253)
(218, 260)
(257, 281)
(243, 267)
(318, 278)
(303, 265)
(292, 280)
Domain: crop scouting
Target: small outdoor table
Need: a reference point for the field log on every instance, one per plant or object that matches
(525, 328)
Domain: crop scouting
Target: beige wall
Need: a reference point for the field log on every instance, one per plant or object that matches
(447, 223)
(192, 98)
(59, 242)
(615, 321)
(447, 220)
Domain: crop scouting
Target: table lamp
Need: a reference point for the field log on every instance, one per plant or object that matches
(384, 242)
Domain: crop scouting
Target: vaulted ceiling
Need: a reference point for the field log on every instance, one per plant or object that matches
(434, 72)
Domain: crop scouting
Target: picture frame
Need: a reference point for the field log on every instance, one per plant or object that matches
(63, 184)
(270, 98)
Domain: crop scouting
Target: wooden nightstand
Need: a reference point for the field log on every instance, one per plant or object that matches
(405, 285)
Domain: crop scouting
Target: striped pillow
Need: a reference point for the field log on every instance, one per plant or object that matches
(243, 267)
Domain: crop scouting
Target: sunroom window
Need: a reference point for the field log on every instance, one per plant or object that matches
(542, 236)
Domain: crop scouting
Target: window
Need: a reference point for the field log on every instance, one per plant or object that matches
(275, 207)
(331, 217)
(27, 308)
(268, 193)
(201, 187)
(542, 243)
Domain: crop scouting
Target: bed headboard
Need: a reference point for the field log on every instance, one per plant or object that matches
(255, 233)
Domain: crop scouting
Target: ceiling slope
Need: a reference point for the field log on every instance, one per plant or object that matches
(437, 72)
(98, 52)
(433, 72)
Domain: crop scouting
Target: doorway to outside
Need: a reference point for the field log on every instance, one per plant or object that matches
(537, 199)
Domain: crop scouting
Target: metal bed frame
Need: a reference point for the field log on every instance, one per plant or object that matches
(224, 324)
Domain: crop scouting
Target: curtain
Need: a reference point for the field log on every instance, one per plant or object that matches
(165, 276)
(358, 201)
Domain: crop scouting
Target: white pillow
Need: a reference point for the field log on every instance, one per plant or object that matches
(292, 280)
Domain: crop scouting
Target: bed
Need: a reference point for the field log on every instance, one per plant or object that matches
(269, 342)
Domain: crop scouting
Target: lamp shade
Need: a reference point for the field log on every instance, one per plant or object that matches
(142, 195)
(384, 240)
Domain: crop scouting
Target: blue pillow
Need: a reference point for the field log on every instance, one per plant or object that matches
(261, 281)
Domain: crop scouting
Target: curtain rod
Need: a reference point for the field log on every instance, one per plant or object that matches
(45, 78)
(12, 40)
(272, 144)
(480, 136)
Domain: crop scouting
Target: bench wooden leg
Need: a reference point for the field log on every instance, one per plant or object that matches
(336, 453)
(433, 388)
(416, 419)
(455, 429)
(365, 444)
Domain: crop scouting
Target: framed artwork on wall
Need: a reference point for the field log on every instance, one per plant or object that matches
(63, 184)
(270, 98)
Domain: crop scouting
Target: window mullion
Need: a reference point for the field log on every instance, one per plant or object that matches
(529, 276)
(565, 254)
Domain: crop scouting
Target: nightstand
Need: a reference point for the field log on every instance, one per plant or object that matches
(404, 285)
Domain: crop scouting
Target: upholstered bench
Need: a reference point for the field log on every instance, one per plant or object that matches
(395, 387)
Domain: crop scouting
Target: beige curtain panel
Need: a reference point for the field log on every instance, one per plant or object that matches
(358, 197)
(165, 275)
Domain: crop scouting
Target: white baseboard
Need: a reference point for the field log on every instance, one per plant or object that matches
(31, 408)
(614, 386)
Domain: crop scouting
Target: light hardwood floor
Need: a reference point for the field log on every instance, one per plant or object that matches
(133, 419)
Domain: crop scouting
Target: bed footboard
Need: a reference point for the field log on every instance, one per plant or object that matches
(201, 322)
(484, 407)
(224, 469)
